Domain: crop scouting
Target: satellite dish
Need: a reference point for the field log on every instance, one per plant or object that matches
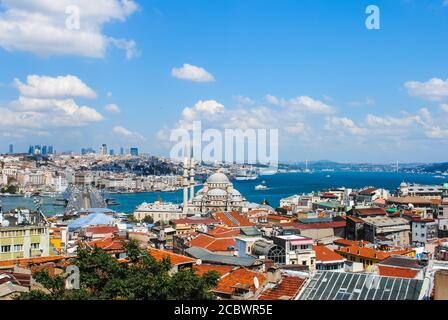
(256, 283)
(198, 262)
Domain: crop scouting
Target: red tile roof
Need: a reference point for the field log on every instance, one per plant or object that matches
(213, 244)
(223, 232)
(397, 272)
(370, 253)
(107, 244)
(203, 268)
(102, 229)
(238, 219)
(27, 261)
(328, 195)
(365, 212)
(368, 191)
(175, 259)
(288, 288)
(239, 278)
(324, 254)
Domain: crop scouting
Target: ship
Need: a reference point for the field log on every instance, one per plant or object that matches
(246, 176)
(268, 172)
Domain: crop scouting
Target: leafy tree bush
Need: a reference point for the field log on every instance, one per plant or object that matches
(102, 277)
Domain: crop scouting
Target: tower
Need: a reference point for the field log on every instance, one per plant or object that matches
(192, 183)
(185, 185)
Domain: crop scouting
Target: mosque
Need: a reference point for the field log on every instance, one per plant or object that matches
(216, 195)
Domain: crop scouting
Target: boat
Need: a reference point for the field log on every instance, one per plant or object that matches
(260, 187)
(439, 177)
(268, 172)
(246, 176)
(327, 176)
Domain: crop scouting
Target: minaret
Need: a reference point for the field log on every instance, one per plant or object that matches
(185, 185)
(1, 213)
(192, 184)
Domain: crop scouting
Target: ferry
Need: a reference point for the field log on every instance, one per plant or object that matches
(267, 172)
(260, 187)
(246, 176)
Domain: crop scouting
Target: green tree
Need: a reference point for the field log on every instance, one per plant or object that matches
(148, 219)
(142, 278)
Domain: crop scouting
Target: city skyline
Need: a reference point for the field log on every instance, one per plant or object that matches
(133, 70)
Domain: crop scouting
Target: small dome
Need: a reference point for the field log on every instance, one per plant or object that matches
(403, 184)
(445, 186)
(217, 192)
(236, 192)
(218, 178)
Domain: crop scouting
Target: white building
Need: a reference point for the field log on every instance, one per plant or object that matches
(424, 230)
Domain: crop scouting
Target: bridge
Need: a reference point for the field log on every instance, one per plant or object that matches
(82, 198)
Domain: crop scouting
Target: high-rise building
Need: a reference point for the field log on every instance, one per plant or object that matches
(134, 151)
(50, 150)
(44, 150)
(31, 150)
(121, 151)
(112, 152)
(104, 149)
(85, 151)
(11, 148)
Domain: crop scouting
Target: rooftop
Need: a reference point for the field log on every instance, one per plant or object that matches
(175, 259)
(370, 253)
(331, 285)
(324, 254)
(379, 221)
(214, 258)
(239, 278)
(287, 289)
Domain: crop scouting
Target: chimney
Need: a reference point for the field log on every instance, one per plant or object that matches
(274, 275)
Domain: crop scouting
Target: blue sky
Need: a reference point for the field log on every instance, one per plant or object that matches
(337, 90)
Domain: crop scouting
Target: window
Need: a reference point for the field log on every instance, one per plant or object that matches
(6, 249)
(18, 247)
(35, 246)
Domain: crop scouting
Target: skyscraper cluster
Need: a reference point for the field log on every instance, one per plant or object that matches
(40, 150)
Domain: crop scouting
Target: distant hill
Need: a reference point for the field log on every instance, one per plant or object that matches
(434, 167)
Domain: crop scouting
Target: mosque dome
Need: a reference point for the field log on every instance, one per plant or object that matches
(217, 192)
(218, 177)
(236, 192)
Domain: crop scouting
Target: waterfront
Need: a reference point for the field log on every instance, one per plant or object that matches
(279, 186)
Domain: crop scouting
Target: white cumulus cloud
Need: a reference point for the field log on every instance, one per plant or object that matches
(73, 27)
(112, 108)
(128, 134)
(192, 73)
(303, 103)
(46, 102)
(54, 87)
(434, 89)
